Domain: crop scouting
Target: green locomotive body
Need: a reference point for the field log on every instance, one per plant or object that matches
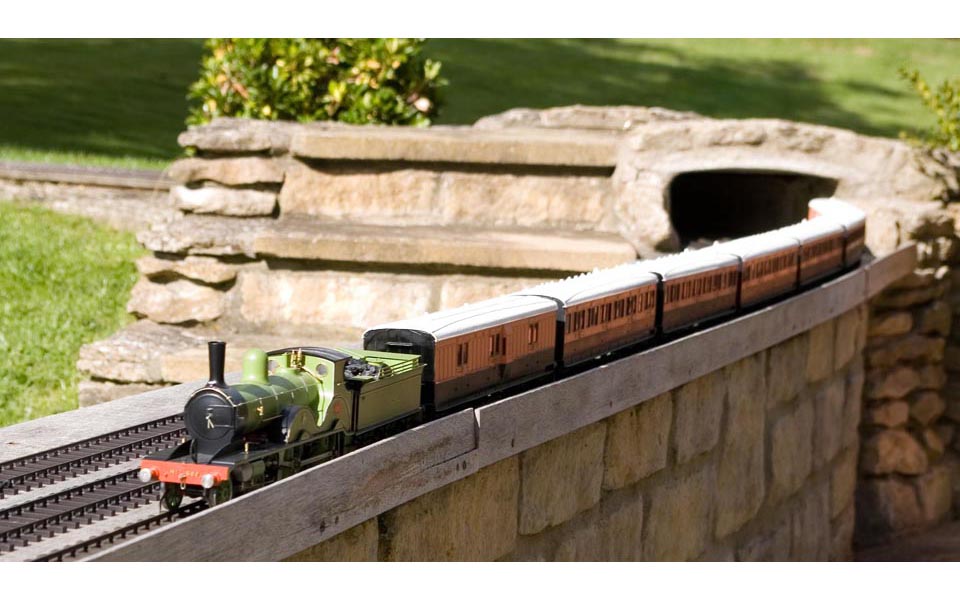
(292, 408)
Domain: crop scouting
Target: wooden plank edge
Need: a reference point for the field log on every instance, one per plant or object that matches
(317, 504)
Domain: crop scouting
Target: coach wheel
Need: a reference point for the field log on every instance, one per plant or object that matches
(172, 496)
(219, 494)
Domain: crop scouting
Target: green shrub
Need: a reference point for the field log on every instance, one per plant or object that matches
(341, 79)
(944, 103)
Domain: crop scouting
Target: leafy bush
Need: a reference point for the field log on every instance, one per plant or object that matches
(342, 79)
(944, 102)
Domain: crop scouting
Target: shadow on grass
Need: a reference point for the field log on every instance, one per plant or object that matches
(489, 76)
(106, 97)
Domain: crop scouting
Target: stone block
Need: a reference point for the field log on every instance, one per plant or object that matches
(678, 516)
(364, 194)
(209, 235)
(95, 392)
(841, 529)
(811, 526)
(770, 544)
(740, 473)
(910, 348)
(791, 450)
(511, 146)
(899, 299)
(426, 247)
(820, 351)
(179, 301)
(226, 134)
(787, 370)
(265, 297)
(885, 506)
(932, 443)
(892, 383)
(891, 323)
(526, 200)
(935, 319)
(890, 414)
(133, 354)
(935, 493)
(951, 358)
(854, 404)
(359, 543)
(699, 411)
(610, 531)
(244, 170)
(637, 442)
(931, 377)
(843, 481)
(893, 451)
(829, 404)
(230, 202)
(926, 407)
(203, 269)
(561, 478)
(920, 278)
(468, 520)
(847, 336)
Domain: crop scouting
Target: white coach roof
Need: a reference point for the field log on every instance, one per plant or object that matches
(757, 245)
(594, 285)
(686, 263)
(474, 317)
(814, 229)
(842, 212)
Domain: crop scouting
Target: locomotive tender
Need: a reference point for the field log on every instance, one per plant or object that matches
(300, 406)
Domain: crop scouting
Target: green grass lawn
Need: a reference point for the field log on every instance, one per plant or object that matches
(64, 281)
(123, 102)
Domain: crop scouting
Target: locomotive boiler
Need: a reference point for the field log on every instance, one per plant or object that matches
(292, 408)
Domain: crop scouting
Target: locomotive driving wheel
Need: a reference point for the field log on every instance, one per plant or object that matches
(218, 494)
(172, 496)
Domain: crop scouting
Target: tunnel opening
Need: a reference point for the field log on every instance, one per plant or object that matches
(705, 206)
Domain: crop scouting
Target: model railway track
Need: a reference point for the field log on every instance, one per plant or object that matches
(70, 509)
(59, 464)
(92, 545)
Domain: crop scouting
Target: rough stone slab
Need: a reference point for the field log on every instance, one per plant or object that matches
(179, 301)
(224, 201)
(330, 499)
(204, 269)
(829, 430)
(785, 372)
(528, 419)
(244, 170)
(134, 354)
(235, 135)
(208, 235)
(893, 451)
(843, 481)
(577, 116)
(459, 144)
(890, 324)
(567, 252)
(811, 525)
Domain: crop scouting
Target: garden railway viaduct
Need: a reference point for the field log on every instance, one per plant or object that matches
(772, 436)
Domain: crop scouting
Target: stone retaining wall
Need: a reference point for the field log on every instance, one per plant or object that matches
(908, 460)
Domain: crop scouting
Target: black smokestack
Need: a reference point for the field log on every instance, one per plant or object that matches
(218, 353)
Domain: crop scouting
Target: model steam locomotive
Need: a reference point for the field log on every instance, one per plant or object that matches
(300, 406)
